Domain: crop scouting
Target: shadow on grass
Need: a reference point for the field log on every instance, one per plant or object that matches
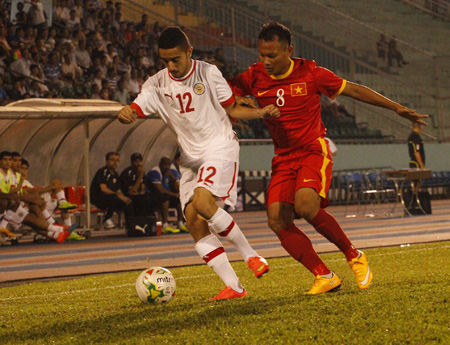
(134, 319)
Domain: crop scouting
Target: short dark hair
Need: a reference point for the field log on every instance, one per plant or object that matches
(173, 37)
(15, 154)
(109, 154)
(136, 156)
(5, 154)
(24, 162)
(271, 29)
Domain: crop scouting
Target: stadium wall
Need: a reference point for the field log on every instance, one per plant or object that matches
(258, 157)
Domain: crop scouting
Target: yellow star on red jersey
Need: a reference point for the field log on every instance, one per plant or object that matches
(298, 89)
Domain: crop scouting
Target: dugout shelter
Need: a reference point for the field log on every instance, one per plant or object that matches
(68, 139)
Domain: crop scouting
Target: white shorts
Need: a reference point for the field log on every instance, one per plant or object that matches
(52, 203)
(16, 218)
(219, 177)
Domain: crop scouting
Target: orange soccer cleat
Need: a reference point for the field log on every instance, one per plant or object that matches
(259, 265)
(229, 293)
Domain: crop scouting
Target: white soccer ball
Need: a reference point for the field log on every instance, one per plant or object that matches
(155, 285)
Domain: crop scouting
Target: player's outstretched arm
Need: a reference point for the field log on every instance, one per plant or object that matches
(367, 95)
(242, 112)
(127, 115)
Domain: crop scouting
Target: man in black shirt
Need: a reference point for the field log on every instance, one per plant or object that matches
(105, 189)
(415, 148)
(133, 186)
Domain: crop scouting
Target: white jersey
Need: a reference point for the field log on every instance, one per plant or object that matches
(193, 107)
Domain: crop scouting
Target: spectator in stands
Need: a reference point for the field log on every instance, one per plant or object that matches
(21, 66)
(69, 70)
(3, 41)
(334, 108)
(113, 79)
(143, 25)
(74, 20)
(95, 92)
(17, 91)
(98, 78)
(394, 53)
(4, 98)
(82, 56)
(36, 16)
(105, 192)
(416, 148)
(133, 45)
(52, 71)
(382, 48)
(50, 41)
(21, 15)
(11, 37)
(159, 190)
(115, 25)
(135, 83)
(301, 170)
(37, 75)
(121, 95)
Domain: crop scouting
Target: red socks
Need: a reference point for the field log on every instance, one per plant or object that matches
(299, 246)
(326, 225)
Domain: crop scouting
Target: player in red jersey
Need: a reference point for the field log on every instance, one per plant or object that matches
(301, 169)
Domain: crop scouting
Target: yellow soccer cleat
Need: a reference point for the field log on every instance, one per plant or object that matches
(322, 285)
(66, 206)
(183, 228)
(229, 293)
(170, 230)
(75, 237)
(362, 271)
(8, 233)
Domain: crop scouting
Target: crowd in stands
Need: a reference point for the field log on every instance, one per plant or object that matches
(387, 51)
(89, 52)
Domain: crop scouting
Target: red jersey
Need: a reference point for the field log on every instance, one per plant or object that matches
(296, 94)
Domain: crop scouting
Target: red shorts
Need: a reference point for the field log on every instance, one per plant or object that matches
(307, 168)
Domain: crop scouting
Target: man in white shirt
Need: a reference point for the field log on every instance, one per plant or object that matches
(194, 99)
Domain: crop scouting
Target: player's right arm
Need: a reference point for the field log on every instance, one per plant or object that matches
(242, 112)
(127, 115)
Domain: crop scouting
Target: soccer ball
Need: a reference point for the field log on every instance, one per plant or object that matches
(155, 285)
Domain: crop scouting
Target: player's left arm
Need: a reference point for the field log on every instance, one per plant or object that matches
(364, 94)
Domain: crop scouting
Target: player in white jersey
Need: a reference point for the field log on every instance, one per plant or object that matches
(194, 99)
(11, 183)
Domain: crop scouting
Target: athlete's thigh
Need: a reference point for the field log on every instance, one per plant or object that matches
(280, 215)
(282, 183)
(218, 177)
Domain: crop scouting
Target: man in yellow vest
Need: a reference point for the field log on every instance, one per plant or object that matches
(12, 184)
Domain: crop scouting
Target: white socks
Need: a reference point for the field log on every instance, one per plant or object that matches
(48, 217)
(61, 197)
(223, 225)
(53, 231)
(67, 221)
(210, 249)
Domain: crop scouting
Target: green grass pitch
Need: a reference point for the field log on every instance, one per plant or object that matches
(408, 303)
